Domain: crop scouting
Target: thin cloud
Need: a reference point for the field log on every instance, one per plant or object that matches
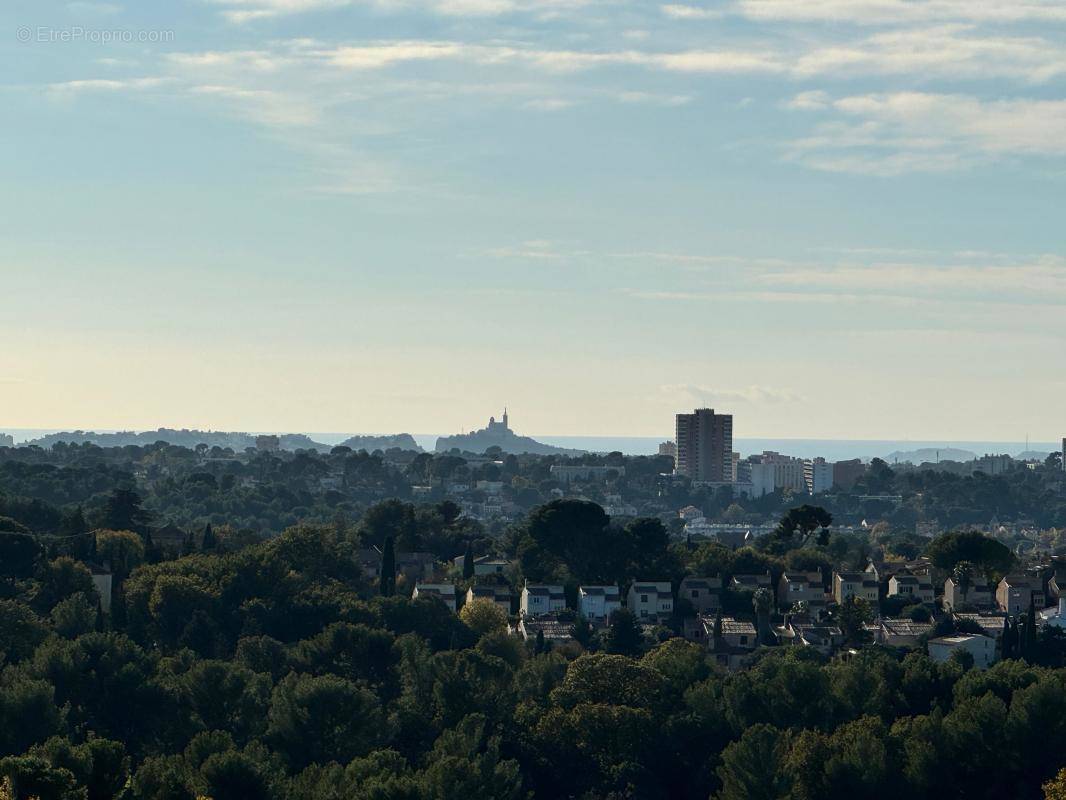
(750, 395)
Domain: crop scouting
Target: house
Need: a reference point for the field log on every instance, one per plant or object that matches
(555, 630)
(803, 632)
(102, 584)
(705, 594)
(539, 598)
(796, 586)
(484, 565)
(978, 594)
(982, 648)
(990, 624)
(915, 587)
(650, 599)
(730, 641)
(1015, 592)
(597, 603)
(445, 592)
(500, 595)
(690, 514)
(1055, 615)
(901, 632)
(416, 566)
(883, 570)
(859, 584)
(749, 583)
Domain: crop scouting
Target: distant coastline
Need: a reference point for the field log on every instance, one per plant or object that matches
(830, 449)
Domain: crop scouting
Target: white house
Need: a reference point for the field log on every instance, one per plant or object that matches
(651, 599)
(918, 588)
(982, 648)
(539, 598)
(445, 592)
(500, 595)
(597, 603)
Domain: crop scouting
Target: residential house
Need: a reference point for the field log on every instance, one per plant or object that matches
(902, 632)
(416, 566)
(917, 588)
(860, 584)
(650, 599)
(1055, 615)
(796, 586)
(102, 583)
(445, 592)
(982, 648)
(1015, 592)
(539, 598)
(484, 565)
(705, 594)
(730, 641)
(554, 629)
(597, 603)
(803, 632)
(978, 594)
(749, 583)
(500, 595)
(990, 624)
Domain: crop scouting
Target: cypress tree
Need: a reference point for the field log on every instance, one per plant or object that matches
(1030, 630)
(92, 547)
(209, 542)
(100, 622)
(538, 646)
(1006, 641)
(387, 579)
(118, 610)
(468, 563)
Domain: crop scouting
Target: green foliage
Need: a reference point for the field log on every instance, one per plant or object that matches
(949, 549)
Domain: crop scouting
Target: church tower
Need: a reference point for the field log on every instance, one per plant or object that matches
(505, 417)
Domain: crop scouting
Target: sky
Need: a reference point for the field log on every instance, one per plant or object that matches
(831, 218)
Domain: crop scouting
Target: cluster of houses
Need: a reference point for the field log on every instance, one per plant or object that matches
(802, 602)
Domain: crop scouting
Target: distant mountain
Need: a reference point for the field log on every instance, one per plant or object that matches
(498, 434)
(930, 455)
(183, 438)
(399, 441)
(1032, 455)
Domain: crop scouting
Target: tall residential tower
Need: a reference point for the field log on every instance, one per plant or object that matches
(705, 446)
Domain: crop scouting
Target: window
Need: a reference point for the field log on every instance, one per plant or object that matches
(695, 594)
(644, 598)
(743, 639)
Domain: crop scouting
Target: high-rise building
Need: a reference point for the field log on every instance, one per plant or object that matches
(705, 446)
(818, 475)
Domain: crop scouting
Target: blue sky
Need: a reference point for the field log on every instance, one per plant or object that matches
(835, 218)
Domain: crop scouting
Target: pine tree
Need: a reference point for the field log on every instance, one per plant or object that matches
(468, 562)
(387, 579)
(209, 542)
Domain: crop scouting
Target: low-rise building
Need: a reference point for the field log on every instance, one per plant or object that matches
(1016, 592)
(500, 595)
(902, 632)
(445, 592)
(540, 598)
(484, 565)
(794, 587)
(982, 648)
(858, 584)
(978, 594)
(650, 599)
(597, 603)
(102, 584)
(729, 641)
(991, 624)
(705, 594)
(915, 587)
(751, 582)
(555, 630)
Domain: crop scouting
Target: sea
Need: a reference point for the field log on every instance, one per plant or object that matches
(829, 449)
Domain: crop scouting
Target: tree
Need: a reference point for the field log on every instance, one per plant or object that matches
(763, 600)
(387, 579)
(19, 553)
(851, 616)
(753, 767)
(1029, 652)
(623, 635)
(124, 512)
(1055, 789)
(482, 616)
(20, 631)
(989, 555)
(122, 550)
(963, 575)
(318, 719)
(468, 562)
(803, 522)
(209, 542)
